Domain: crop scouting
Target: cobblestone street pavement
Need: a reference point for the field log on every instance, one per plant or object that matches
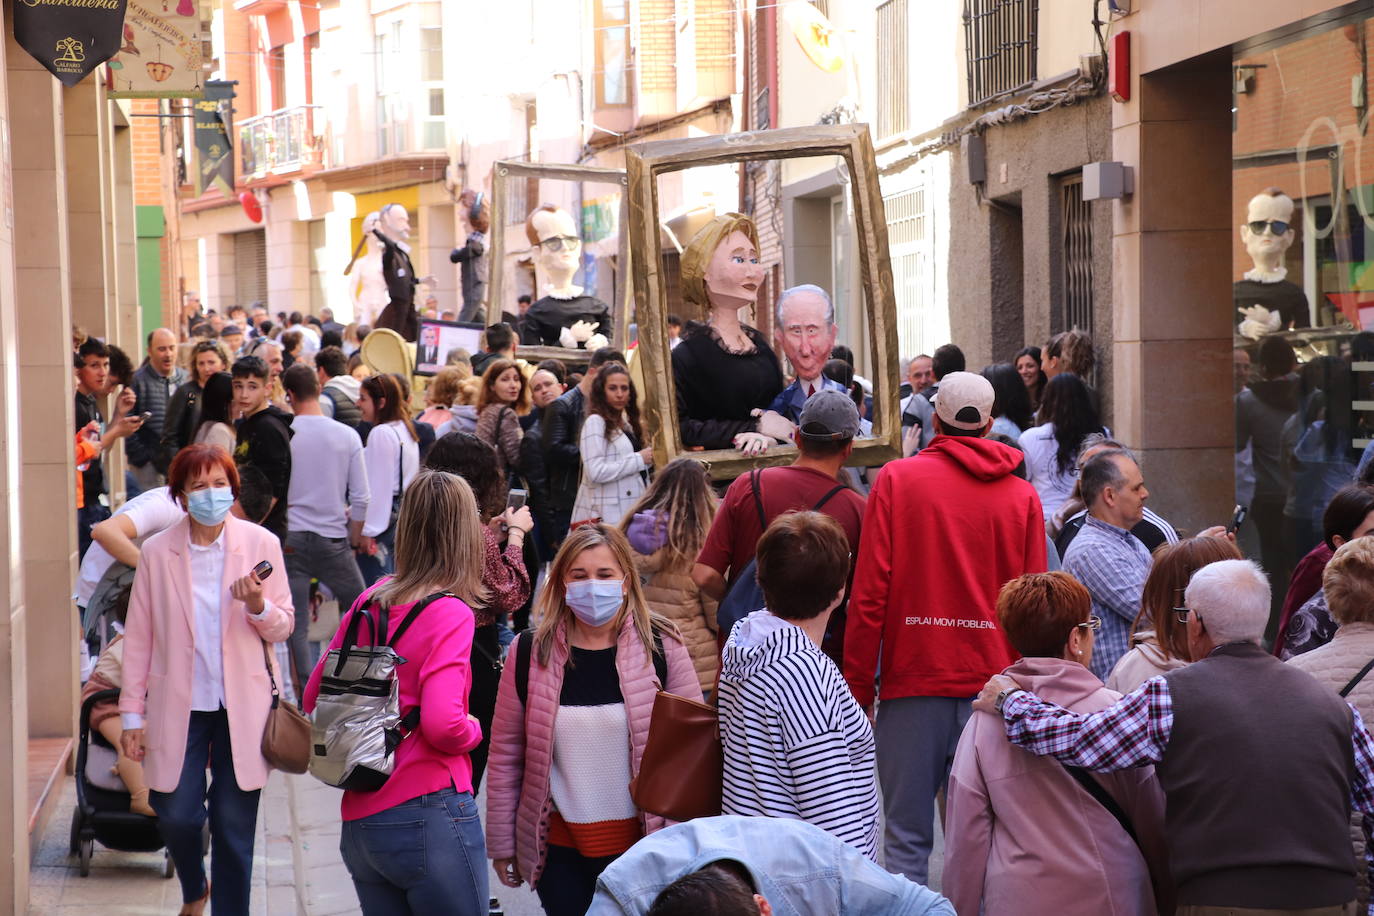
(296, 868)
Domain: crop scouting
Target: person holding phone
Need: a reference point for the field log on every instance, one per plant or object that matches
(615, 457)
(505, 575)
(197, 677)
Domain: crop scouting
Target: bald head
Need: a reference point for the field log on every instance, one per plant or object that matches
(162, 351)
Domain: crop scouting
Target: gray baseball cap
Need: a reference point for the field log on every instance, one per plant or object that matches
(829, 414)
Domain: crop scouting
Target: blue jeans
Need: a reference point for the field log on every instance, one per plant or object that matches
(233, 819)
(87, 517)
(426, 855)
(383, 563)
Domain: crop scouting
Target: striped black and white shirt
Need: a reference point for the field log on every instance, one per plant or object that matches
(796, 743)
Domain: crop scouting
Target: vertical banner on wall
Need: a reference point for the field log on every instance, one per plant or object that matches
(69, 37)
(160, 52)
(214, 149)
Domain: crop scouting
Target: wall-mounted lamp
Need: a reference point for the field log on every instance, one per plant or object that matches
(1108, 181)
(1244, 79)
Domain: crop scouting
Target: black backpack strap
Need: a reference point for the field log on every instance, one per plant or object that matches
(523, 645)
(758, 498)
(1345, 691)
(410, 617)
(1104, 798)
(826, 498)
(357, 616)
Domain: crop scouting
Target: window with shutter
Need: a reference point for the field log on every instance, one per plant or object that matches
(250, 267)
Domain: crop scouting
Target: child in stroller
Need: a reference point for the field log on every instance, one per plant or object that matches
(104, 712)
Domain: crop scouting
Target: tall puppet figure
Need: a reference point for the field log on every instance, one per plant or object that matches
(473, 254)
(367, 288)
(725, 373)
(564, 317)
(393, 228)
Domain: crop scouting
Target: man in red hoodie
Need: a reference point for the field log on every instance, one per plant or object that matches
(943, 531)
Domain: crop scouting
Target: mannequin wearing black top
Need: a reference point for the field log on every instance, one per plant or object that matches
(717, 390)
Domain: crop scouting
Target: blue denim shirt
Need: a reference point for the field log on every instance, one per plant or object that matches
(798, 868)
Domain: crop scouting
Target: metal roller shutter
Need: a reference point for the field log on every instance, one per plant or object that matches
(250, 267)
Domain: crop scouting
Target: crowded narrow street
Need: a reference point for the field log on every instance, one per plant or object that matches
(686, 458)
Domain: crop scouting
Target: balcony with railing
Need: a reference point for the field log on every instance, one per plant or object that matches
(281, 142)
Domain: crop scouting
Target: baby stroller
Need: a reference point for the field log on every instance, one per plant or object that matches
(102, 803)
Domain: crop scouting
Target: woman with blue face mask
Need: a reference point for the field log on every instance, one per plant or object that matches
(567, 740)
(197, 683)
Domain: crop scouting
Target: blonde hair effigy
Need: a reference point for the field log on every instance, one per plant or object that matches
(697, 255)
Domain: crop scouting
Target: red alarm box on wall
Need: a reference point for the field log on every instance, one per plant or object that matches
(1119, 67)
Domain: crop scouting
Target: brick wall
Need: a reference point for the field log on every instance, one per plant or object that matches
(656, 50)
(1297, 91)
(147, 160)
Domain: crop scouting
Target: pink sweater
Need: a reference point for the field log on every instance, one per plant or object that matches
(437, 677)
(518, 797)
(1022, 838)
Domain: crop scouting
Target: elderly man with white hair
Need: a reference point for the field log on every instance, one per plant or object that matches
(1260, 763)
(806, 325)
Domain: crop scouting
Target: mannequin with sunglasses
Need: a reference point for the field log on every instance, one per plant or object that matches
(565, 316)
(1264, 298)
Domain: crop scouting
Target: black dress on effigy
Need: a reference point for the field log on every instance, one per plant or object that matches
(718, 389)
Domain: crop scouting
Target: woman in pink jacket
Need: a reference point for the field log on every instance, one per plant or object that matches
(415, 845)
(196, 672)
(566, 743)
(1023, 835)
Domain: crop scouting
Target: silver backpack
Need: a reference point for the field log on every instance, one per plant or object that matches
(358, 723)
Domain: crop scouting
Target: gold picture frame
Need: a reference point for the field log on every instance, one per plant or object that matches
(644, 162)
(506, 170)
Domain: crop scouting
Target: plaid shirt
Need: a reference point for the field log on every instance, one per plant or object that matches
(1135, 731)
(1112, 563)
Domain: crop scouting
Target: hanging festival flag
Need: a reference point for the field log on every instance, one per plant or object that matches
(214, 151)
(161, 53)
(67, 38)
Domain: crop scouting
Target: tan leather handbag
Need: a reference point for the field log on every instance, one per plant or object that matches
(286, 738)
(680, 772)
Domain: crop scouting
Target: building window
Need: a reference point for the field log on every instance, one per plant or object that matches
(432, 132)
(1000, 41)
(920, 329)
(893, 73)
(276, 77)
(1076, 278)
(391, 102)
(612, 52)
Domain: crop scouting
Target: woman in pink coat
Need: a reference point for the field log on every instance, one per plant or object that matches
(566, 744)
(1023, 837)
(196, 673)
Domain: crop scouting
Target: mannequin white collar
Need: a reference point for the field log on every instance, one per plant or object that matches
(566, 293)
(1258, 275)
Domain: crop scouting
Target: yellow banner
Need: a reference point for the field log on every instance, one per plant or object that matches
(161, 53)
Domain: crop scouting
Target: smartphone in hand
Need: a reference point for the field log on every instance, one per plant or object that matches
(1237, 519)
(517, 498)
(262, 570)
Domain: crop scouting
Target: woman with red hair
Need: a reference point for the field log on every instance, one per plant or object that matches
(1026, 835)
(197, 675)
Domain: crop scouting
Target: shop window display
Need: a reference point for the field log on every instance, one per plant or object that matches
(1303, 296)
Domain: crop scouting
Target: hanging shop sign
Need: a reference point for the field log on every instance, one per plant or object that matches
(70, 38)
(160, 55)
(214, 151)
